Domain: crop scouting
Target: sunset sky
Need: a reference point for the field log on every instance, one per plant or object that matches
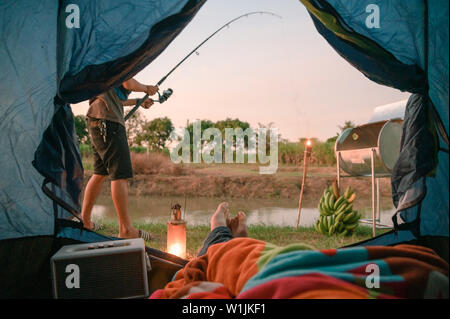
(260, 70)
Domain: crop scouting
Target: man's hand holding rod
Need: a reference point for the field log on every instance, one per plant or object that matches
(135, 86)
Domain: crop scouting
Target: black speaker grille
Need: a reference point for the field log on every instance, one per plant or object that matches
(107, 276)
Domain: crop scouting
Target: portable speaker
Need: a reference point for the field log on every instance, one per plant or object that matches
(112, 269)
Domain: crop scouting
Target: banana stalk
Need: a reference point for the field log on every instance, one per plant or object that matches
(337, 216)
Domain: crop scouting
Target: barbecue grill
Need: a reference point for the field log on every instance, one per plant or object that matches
(371, 150)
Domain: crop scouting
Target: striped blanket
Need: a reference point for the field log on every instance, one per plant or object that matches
(251, 269)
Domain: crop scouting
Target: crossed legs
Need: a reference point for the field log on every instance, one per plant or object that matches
(224, 228)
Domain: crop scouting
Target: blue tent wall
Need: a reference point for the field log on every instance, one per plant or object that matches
(44, 66)
(118, 41)
(438, 51)
(401, 30)
(409, 52)
(27, 87)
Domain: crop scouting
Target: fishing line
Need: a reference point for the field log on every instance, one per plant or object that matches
(167, 93)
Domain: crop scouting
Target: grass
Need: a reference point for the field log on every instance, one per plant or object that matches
(88, 163)
(280, 236)
(273, 188)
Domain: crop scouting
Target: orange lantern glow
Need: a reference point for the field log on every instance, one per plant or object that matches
(176, 233)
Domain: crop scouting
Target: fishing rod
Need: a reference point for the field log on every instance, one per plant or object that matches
(167, 93)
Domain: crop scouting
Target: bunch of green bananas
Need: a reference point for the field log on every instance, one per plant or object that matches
(336, 212)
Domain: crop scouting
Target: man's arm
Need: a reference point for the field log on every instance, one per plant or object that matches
(132, 102)
(135, 86)
(129, 102)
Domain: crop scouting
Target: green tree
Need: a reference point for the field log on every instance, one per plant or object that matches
(332, 139)
(268, 127)
(233, 124)
(347, 124)
(81, 130)
(156, 133)
(205, 124)
(221, 126)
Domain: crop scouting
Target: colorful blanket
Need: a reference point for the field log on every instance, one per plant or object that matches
(251, 269)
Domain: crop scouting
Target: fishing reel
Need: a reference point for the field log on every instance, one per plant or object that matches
(164, 96)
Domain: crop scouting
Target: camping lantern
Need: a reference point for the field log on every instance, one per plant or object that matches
(307, 156)
(176, 233)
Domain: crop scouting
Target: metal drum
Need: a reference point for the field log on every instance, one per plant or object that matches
(355, 148)
(371, 150)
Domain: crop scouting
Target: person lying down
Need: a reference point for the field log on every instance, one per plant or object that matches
(232, 265)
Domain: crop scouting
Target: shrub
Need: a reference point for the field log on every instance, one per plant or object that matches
(138, 149)
(290, 153)
(155, 163)
(85, 150)
(293, 153)
(323, 153)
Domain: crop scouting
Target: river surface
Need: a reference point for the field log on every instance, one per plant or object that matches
(276, 212)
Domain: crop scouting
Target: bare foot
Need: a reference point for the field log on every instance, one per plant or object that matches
(130, 233)
(221, 216)
(88, 224)
(238, 225)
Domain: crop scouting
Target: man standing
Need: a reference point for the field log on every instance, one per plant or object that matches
(106, 126)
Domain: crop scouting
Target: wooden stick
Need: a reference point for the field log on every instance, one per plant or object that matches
(305, 168)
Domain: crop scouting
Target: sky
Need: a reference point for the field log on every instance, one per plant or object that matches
(261, 70)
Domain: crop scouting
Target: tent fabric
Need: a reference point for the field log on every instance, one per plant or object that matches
(42, 72)
(27, 86)
(405, 17)
(116, 41)
(387, 71)
(408, 51)
(363, 53)
(57, 156)
(390, 238)
(418, 154)
(438, 55)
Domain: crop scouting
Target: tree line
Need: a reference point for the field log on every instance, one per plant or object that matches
(155, 135)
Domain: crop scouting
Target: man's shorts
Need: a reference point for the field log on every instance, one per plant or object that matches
(110, 149)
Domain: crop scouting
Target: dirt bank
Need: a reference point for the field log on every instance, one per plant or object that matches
(244, 181)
